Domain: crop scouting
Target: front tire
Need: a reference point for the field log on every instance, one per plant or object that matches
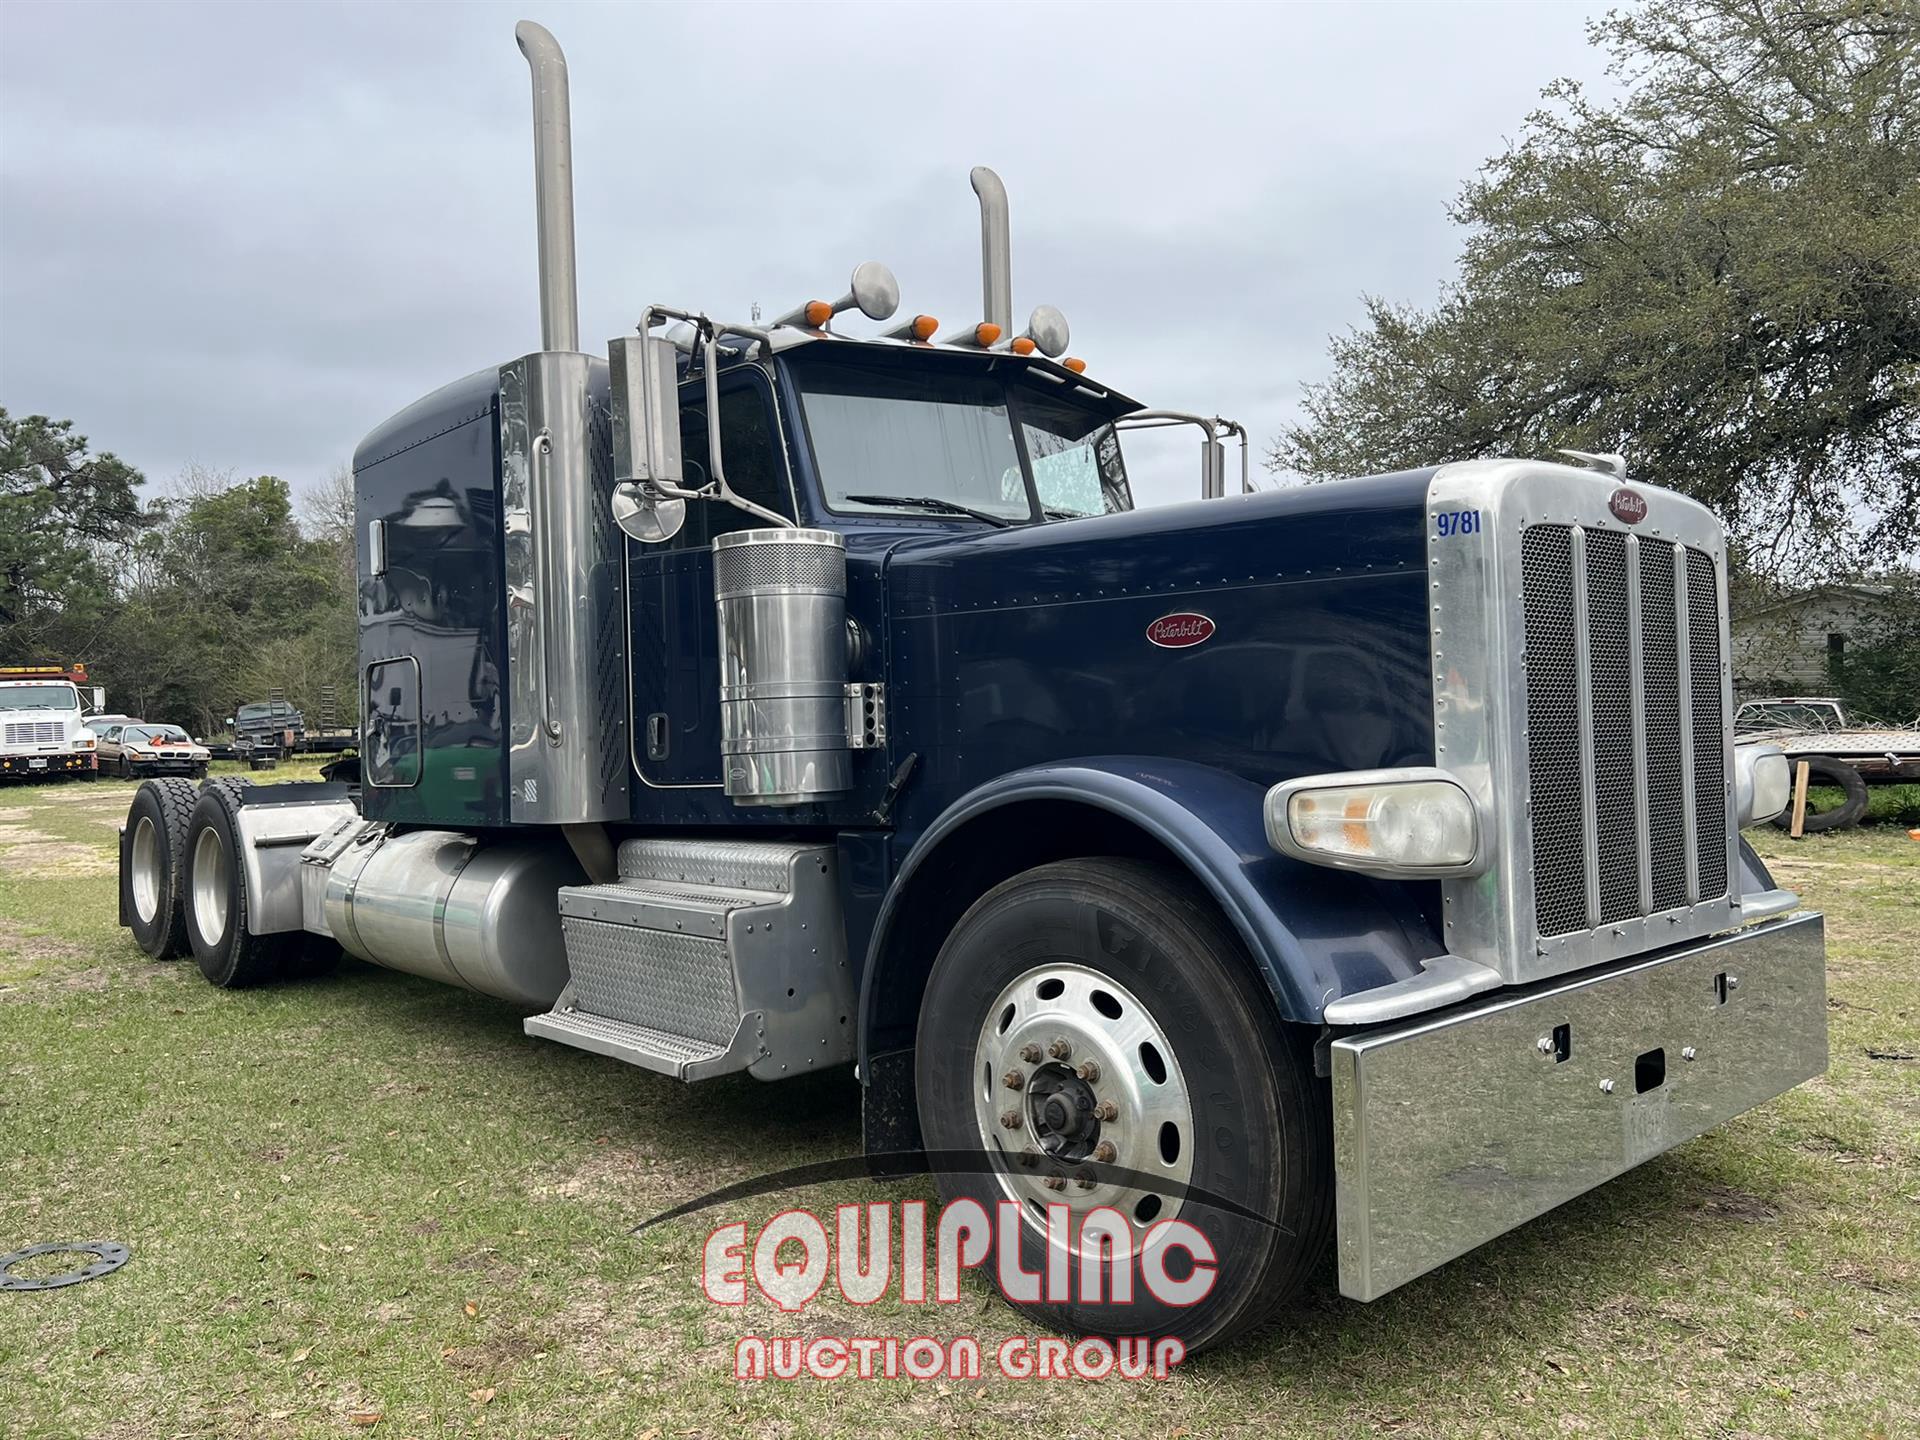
(229, 954)
(1194, 1083)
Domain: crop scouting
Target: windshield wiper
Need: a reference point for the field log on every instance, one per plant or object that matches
(928, 502)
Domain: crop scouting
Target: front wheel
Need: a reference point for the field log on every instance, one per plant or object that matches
(1092, 1028)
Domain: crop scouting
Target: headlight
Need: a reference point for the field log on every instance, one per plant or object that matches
(1762, 783)
(1409, 823)
(84, 742)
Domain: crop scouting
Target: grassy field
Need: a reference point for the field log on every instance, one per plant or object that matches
(370, 1204)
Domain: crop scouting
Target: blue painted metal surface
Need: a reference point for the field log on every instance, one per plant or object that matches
(1314, 934)
(1017, 663)
(432, 476)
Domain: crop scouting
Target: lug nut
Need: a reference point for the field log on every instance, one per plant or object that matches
(1032, 1053)
(1089, 1071)
(1029, 1158)
(1013, 1080)
(1055, 1182)
(1104, 1152)
(1061, 1048)
(1083, 1180)
(1606, 1087)
(1106, 1110)
(1687, 1052)
(1011, 1120)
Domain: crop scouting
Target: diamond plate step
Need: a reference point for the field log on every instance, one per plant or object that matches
(723, 864)
(654, 1050)
(706, 957)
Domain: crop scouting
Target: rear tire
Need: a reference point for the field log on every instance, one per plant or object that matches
(229, 954)
(1106, 954)
(153, 865)
(1823, 770)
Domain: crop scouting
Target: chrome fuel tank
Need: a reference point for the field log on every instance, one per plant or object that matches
(448, 906)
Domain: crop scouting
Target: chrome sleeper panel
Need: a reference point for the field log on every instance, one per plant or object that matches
(566, 615)
(1452, 1130)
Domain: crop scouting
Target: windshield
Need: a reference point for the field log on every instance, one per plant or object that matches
(264, 711)
(958, 435)
(1792, 716)
(934, 435)
(155, 732)
(1077, 468)
(39, 697)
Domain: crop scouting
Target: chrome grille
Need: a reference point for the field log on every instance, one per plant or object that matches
(1660, 686)
(1553, 730)
(1616, 821)
(1709, 743)
(1606, 848)
(33, 732)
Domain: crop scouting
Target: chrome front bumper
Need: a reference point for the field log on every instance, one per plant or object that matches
(1455, 1128)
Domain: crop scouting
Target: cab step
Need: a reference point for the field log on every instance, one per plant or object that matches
(708, 957)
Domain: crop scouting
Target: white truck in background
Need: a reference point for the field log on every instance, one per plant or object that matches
(43, 729)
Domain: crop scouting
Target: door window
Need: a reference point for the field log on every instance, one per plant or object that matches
(750, 455)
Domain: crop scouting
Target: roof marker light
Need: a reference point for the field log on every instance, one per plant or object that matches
(817, 313)
(1075, 364)
(1023, 345)
(920, 327)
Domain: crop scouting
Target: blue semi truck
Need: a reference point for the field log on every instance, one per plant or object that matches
(1352, 866)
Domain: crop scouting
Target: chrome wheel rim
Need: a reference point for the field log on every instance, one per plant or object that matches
(1074, 1080)
(144, 868)
(210, 886)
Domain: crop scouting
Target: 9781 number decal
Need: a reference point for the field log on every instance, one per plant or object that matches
(1456, 522)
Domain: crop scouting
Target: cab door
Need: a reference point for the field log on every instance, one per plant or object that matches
(676, 661)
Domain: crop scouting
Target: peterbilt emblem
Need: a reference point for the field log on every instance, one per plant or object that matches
(1179, 630)
(1628, 506)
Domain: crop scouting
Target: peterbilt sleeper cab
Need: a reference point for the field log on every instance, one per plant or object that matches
(1352, 865)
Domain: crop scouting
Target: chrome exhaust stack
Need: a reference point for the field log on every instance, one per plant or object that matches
(552, 186)
(996, 250)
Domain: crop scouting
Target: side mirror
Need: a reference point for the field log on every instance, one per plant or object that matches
(645, 514)
(99, 698)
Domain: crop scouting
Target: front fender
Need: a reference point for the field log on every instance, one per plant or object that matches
(1314, 934)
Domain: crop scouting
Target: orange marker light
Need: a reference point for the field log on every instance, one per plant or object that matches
(986, 333)
(924, 326)
(819, 312)
(1022, 345)
(1075, 364)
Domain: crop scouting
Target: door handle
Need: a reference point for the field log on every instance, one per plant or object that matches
(657, 735)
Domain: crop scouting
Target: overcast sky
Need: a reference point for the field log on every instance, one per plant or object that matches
(242, 235)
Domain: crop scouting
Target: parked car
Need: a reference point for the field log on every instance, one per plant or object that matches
(142, 749)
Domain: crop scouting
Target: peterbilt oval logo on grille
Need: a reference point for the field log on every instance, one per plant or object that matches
(1629, 506)
(1179, 630)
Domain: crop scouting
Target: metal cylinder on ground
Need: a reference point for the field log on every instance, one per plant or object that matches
(781, 596)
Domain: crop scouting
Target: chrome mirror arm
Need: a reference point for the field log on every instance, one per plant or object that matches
(708, 338)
